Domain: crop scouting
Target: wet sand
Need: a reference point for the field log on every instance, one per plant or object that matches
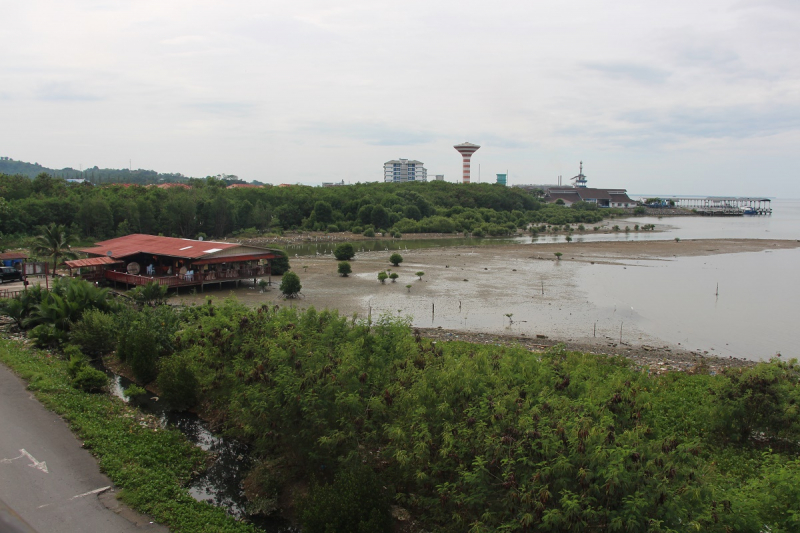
(467, 293)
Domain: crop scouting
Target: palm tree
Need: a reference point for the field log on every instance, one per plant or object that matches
(54, 242)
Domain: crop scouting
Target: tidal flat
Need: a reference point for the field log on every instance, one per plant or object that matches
(636, 298)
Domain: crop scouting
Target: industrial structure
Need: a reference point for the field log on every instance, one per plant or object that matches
(502, 179)
(579, 192)
(580, 179)
(403, 170)
(466, 149)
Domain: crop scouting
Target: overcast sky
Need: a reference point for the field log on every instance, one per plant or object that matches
(671, 97)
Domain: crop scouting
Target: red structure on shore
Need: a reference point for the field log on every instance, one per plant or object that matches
(139, 259)
(466, 150)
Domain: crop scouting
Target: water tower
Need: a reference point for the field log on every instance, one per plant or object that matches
(466, 150)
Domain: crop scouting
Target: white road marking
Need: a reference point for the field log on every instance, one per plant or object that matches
(95, 491)
(20, 456)
(35, 464)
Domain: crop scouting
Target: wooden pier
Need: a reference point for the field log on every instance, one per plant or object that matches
(724, 206)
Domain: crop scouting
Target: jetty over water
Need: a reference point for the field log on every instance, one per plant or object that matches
(723, 205)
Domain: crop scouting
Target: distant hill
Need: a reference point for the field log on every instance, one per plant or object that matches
(95, 175)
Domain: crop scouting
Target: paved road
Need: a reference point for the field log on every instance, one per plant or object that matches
(45, 475)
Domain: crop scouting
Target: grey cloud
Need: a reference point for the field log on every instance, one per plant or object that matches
(654, 129)
(376, 134)
(719, 122)
(630, 71)
(231, 109)
(64, 91)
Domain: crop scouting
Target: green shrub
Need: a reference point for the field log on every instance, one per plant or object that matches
(280, 264)
(145, 336)
(134, 390)
(90, 379)
(382, 276)
(393, 276)
(344, 269)
(396, 259)
(356, 502)
(77, 360)
(48, 336)
(152, 293)
(333, 228)
(95, 332)
(369, 232)
(344, 251)
(178, 383)
(290, 285)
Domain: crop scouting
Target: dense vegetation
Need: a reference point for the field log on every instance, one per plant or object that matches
(210, 209)
(150, 465)
(467, 437)
(93, 175)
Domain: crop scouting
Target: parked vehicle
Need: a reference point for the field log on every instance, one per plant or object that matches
(9, 274)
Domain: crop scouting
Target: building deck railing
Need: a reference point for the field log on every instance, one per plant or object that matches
(198, 278)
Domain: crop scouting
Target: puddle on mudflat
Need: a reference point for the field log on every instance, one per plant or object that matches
(221, 483)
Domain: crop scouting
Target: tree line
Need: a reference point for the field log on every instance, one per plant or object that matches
(209, 208)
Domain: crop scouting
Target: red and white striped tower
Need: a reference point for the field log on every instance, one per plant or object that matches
(466, 150)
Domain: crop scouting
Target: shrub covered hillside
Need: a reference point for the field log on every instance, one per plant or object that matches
(464, 437)
(481, 438)
(208, 208)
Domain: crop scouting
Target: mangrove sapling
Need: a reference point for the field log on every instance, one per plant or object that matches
(290, 285)
(344, 269)
(344, 251)
(382, 276)
(558, 256)
(396, 259)
(393, 276)
(419, 274)
(408, 287)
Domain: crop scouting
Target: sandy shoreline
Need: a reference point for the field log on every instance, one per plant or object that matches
(466, 291)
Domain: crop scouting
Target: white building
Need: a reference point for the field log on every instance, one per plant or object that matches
(402, 170)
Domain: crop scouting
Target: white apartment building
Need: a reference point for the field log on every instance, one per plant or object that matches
(402, 170)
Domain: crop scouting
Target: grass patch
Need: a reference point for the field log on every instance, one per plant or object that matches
(152, 466)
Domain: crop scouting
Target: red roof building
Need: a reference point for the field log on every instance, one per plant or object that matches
(139, 259)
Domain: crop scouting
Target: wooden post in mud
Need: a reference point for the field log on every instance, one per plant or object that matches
(542, 287)
(595, 329)
(620, 332)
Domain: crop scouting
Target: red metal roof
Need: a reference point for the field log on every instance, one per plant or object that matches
(234, 258)
(152, 244)
(92, 261)
(243, 186)
(12, 255)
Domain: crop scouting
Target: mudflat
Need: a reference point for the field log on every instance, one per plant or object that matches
(508, 292)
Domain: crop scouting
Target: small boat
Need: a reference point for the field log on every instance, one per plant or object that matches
(749, 211)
